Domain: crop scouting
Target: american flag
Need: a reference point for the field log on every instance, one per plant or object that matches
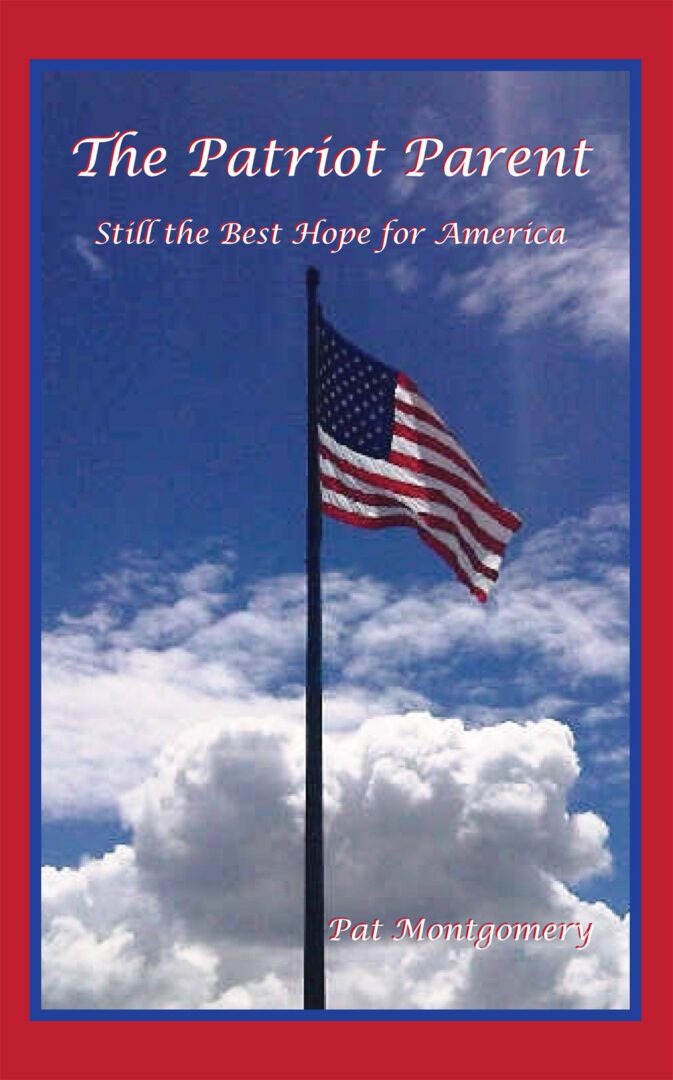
(386, 458)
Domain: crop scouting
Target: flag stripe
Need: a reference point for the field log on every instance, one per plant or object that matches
(445, 530)
(426, 467)
(416, 434)
(409, 395)
(403, 444)
(351, 518)
(479, 530)
(336, 478)
(403, 404)
(483, 527)
(387, 482)
(416, 406)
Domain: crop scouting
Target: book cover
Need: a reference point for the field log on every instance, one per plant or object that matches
(475, 222)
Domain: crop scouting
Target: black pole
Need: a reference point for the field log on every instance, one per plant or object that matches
(314, 889)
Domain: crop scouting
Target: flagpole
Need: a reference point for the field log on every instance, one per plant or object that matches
(314, 887)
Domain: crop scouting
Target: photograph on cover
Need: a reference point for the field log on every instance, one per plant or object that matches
(446, 251)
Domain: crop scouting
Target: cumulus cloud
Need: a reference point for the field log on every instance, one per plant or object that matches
(177, 701)
(104, 945)
(425, 817)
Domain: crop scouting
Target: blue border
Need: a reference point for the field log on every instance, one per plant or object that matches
(37, 67)
(334, 1014)
(337, 65)
(35, 556)
(635, 559)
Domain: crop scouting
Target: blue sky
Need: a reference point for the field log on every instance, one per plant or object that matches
(173, 430)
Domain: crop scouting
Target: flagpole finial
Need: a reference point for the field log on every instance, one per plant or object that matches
(312, 278)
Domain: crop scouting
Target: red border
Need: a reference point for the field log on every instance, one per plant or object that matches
(146, 1050)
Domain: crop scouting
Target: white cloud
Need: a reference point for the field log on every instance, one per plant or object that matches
(403, 275)
(125, 678)
(84, 248)
(104, 945)
(564, 598)
(582, 287)
(424, 817)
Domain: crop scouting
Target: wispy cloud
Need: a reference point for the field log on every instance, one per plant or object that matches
(84, 248)
(403, 275)
(188, 646)
(581, 288)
